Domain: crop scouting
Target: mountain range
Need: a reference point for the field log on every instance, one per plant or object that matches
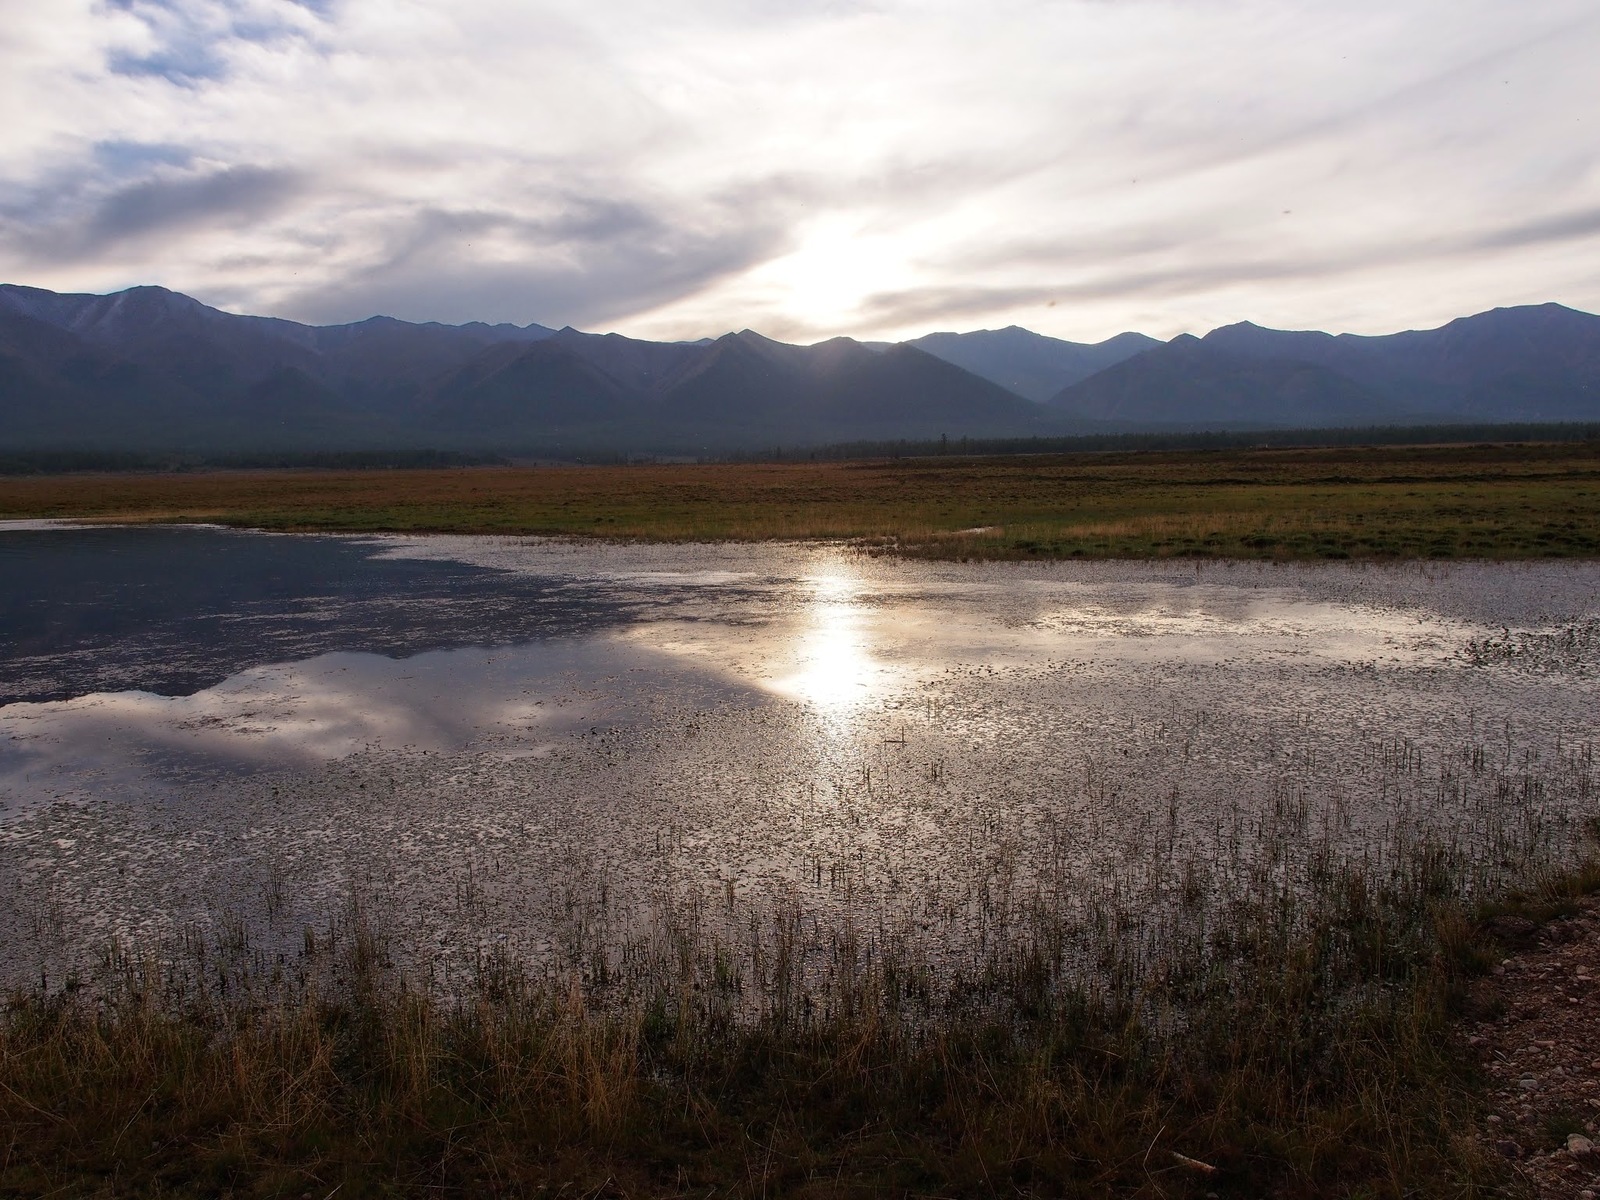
(150, 369)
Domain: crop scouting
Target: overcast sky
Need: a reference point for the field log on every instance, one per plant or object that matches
(882, 169)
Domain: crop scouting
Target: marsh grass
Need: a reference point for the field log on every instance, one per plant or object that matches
(1260, 1001)
(1485, 501)
(1273, 1021)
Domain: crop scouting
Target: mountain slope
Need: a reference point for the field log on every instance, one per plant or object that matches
(1535, 363)
(149, 369)
(382, 356)
(1028, 363)
(1188, 384)
(1538, 362)
(193, 346)
(516, 394)
(201, 347)
(153, 369)
(838, 390)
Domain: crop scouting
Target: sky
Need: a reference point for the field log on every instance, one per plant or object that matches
(810, 169)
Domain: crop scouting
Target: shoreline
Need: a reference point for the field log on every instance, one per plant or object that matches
(1363, 503)
(1268, 1011)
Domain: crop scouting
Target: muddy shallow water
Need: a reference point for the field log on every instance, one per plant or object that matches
(536, 746)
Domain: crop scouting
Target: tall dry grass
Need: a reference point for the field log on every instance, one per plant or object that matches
(1279, 1023)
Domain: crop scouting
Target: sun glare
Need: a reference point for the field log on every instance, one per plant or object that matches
(836, 666)
(836, 266)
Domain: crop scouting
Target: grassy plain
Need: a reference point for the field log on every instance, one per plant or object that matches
(1487, 501)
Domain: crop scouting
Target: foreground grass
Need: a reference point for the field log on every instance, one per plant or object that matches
(1267, 1010)
(1309, 1052)
(1491, 501)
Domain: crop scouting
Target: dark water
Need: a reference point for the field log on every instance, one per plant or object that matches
(175, 610)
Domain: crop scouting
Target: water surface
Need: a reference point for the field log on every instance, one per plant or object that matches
(508, 739)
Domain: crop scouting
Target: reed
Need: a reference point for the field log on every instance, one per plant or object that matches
(1273, 1016)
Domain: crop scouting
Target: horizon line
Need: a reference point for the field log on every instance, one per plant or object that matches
(821, 341)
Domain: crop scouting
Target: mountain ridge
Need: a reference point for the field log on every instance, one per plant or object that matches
(1030, 364)
(148, 368)
(1526, 363)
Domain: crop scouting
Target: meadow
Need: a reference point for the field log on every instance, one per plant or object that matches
(1497, 501)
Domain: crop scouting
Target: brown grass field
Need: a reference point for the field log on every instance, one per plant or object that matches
(1485, 501)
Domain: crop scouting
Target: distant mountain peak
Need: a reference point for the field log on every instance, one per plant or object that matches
(1529, 363)
(151, 368)
(1029, 364)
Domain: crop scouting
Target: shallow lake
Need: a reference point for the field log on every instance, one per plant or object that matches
(533, 746)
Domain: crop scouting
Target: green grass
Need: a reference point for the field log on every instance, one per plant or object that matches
(1491, 501)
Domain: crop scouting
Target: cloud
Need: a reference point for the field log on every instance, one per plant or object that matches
(118, 159)
(1565, 227)
(189, 42)
(809, 169)
(916, 306)
(231, 198)
(233, 195)
(588, 260)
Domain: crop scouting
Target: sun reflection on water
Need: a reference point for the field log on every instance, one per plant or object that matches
(836, 666)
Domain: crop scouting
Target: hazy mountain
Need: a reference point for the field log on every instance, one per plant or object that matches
(1187, 383)
(741, 389)
(1539, 362)
(810, 393)
(1536, 363)
(192, 346)
(1029, 363)
(40, 375)
(639, 366)
(382, 354)
(206, 347)
(519, 394)
(149, 369)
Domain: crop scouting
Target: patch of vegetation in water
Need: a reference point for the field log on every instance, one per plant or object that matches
(1289, 1032)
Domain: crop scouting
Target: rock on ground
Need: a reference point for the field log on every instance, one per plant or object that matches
(1537, 1035)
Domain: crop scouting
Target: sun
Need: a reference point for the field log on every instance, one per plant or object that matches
(826, 281)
